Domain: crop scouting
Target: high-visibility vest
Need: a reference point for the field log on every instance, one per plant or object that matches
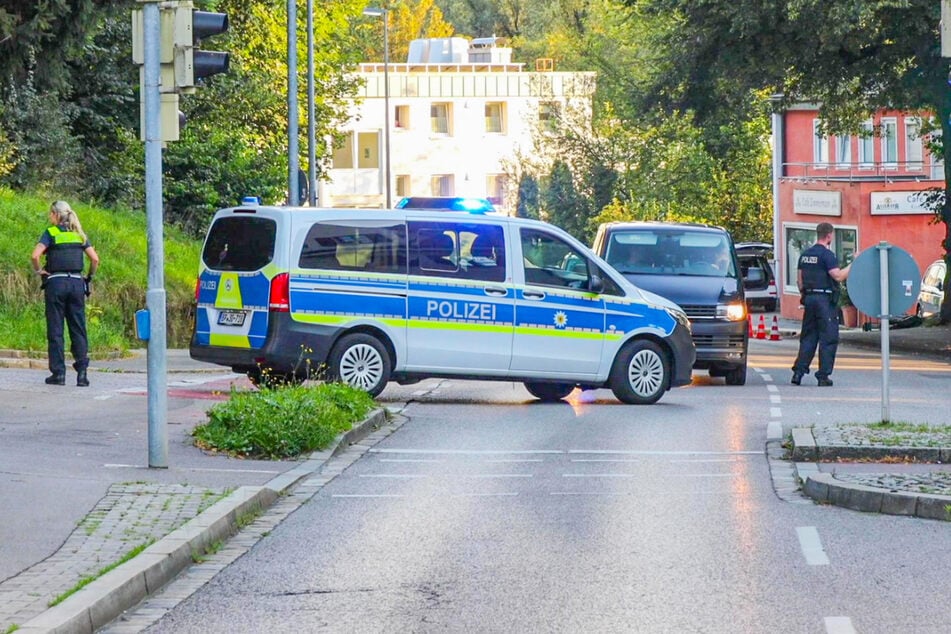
(65, 254)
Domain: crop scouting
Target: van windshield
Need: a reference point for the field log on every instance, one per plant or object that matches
(671, 252)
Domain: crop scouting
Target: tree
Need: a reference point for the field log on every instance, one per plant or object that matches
(851, 57)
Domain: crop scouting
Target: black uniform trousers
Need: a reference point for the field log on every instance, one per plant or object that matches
(66, 300)
(820, 326)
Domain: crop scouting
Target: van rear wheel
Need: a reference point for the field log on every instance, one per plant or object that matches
(641, 373)
(549, 392)
(361, 361)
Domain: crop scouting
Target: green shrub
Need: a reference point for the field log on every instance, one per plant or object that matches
(282, 422)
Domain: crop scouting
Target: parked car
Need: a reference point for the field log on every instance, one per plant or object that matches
(447, 203)
(696, 267)
(932, 289)
(759, 281)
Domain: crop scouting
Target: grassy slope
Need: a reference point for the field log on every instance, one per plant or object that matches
(118, 289)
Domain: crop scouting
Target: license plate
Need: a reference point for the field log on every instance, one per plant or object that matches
(231, 318)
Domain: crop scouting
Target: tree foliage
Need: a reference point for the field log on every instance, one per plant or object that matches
(69, 107)
(852, 57)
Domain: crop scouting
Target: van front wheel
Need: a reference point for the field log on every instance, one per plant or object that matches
(361, 361)
(641, 373)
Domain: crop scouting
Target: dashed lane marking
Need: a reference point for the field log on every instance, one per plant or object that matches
(811, 546)
(839, 625)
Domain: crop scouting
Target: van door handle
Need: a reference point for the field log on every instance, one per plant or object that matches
(533, 295)
(496, 290)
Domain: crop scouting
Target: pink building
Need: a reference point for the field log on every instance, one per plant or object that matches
(867, 186)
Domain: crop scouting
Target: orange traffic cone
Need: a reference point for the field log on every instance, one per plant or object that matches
(774, 330)
(761, 328)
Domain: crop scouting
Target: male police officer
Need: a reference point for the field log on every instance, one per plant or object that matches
(818, 280)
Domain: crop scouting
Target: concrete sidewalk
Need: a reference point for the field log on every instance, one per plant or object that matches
(76, 506)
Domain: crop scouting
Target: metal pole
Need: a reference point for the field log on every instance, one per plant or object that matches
(386, 102)
(155, 295)
(883, 248)
(293, 160)
(311, 125)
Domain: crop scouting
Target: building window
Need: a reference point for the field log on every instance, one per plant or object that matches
(820, 144)
(439, 116)
(442, 185)
(800, 238)
(369, 150)
(913, 149)
(890, 142)
(401, 117)
(548, 112)
(495, 118)
(495, 188)
(343, 155)
(402, 184)
(843, 151)
(866, 145)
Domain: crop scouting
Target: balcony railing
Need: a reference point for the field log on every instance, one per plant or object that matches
(859, 172)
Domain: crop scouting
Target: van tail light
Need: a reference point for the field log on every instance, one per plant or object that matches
(197, 288)
(280, 300)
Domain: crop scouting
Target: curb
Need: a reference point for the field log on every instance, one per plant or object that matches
(103, 600)
(825, 489)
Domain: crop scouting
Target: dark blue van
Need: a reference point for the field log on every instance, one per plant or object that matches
(695, 266)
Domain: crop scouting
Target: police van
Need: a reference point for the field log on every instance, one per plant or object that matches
(372, 296)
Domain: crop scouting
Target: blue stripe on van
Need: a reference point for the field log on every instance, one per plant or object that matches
(341, 303)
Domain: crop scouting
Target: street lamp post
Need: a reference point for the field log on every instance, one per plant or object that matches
(383, 13)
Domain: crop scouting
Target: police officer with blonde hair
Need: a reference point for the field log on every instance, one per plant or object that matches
(64, 244)
(818, 280)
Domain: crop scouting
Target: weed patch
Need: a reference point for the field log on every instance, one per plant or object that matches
(282, 422)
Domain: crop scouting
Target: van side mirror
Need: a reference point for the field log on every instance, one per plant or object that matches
(595, 284)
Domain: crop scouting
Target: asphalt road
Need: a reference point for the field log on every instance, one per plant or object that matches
(486, 511)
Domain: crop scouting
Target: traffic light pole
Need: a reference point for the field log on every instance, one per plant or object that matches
(155, 295)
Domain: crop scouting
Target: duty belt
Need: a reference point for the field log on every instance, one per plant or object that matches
(824, 291)
(76, 275)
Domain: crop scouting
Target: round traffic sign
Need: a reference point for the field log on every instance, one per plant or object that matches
(865, 286)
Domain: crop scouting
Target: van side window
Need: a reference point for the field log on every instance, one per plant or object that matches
(239, 244)
(549, 261)
(355, 246)
(459, 250)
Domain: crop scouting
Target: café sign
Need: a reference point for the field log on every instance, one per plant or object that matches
(893, 203)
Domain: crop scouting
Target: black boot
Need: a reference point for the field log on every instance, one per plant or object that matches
(56, 379)
(81, 379)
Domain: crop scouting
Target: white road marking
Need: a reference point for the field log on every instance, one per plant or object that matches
(468, 452)
(767, 378)
(776, 412)
(662, 453)
(425, 460)
(772, 388)
(812, 546)
(839, 625)
(600, 475)
(775, 398)
(103, 397)
(623, 460)
(587, 493)
(366, 495)
(516, 460)
(731, 460)
(774, 430)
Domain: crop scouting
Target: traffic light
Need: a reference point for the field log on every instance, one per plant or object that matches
(191, 63)
(182, 63)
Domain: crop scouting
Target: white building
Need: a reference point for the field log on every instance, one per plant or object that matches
(459, 111)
